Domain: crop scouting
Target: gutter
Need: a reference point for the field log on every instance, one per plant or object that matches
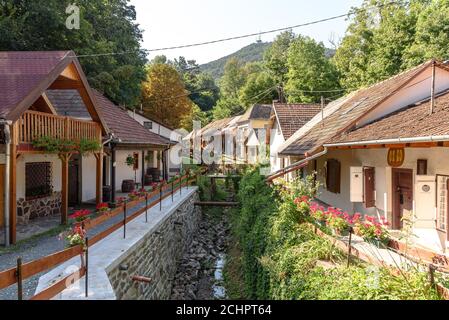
(6, 196)
(295, 166)
(390, 141)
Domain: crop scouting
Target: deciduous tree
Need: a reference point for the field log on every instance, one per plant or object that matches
(164, 96)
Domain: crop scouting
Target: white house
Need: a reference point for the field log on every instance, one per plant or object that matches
(287, 119)
(174, 154)
(382, 151)
(36, 181)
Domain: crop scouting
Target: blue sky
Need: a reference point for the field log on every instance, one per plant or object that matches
(176, 22)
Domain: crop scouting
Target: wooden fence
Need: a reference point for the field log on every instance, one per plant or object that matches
(17, 274)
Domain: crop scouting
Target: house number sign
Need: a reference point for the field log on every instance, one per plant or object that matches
(396, 157)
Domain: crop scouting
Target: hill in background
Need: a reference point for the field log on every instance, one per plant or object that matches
(251, 53)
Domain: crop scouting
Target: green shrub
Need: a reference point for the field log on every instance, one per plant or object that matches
(282, 257)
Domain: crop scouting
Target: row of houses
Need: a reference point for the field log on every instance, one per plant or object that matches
(45, 97)
(380, 151)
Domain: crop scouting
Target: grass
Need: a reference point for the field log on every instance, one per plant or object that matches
(233, 272)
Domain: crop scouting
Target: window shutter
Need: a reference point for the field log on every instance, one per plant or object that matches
(333, 176)
(369, 187)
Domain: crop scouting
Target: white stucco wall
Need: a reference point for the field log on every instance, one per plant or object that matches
(175, 160)
(88, 180)
(276, 140)
(56, 171)
(377, 158)
(125, 172)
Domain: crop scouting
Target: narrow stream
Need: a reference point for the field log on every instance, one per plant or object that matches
(219, 291)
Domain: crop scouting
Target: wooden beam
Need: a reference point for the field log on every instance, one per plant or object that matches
(65, 188)
(66, 84)
(13, 189)
(99, 180)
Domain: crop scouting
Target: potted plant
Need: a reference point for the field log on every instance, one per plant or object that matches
(338, 222)
(130, 161)
(120, 200)
(318, 214)
(133, 196)
(80, 217)
(103, 208)
(372, 231)
(77, 237)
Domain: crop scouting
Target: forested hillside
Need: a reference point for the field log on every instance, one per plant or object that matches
(251, 53)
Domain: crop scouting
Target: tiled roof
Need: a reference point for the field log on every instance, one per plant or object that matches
(124, 127)
(257, 112)
(292, 117)
(349, 110)
(68, 103)
(21, 73)
(411, 122)
(214, 126)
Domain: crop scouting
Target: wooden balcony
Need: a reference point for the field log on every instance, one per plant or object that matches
(34, 124)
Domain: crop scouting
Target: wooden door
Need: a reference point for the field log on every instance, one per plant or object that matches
(2, 200)
(369, 187)
(74, 183)
(402, 196)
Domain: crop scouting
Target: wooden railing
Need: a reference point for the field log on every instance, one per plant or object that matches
(11, 276)
(33, 124)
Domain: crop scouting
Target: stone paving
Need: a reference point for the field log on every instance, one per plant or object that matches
(44, 246)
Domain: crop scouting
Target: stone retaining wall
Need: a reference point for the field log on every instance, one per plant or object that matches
(157, 256)
(43, 207)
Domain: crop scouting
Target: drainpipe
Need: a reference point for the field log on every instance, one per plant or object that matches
(6, 129)
(295, 166)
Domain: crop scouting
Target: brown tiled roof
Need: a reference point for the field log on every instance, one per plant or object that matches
(21, 73)
(257, 112)
(411, 122)
(351, 109)
(215, 125)
(292, 117)
(68, 103)
(124, 127)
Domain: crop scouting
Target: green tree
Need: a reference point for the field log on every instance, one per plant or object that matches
(352, 56)
(233, 80)
(309, 70)
(275, 57)
(259, 88)
(204, 91)
(227, 107)
(392, 37)
(432, 34)
(105, 27)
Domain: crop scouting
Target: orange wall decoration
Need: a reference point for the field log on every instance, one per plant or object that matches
(396, 157)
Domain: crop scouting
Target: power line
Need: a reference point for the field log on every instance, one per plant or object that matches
(352, 12)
